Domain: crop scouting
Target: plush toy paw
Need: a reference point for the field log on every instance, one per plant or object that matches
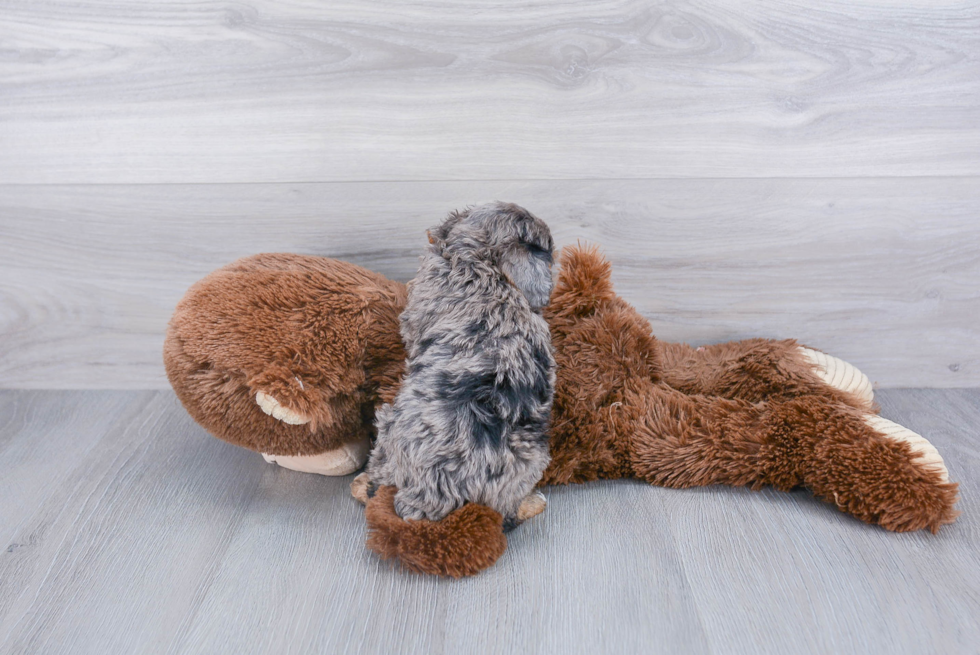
(272, 407)
(341, 461)
(928, 457)
(884, 474)
(839, 374)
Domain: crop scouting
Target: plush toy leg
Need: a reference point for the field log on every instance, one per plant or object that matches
(341, 461)
(869, 467)
(840, 375)
(928, 457)
(763, 369)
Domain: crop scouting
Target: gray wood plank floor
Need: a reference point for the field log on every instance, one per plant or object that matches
(125, 529)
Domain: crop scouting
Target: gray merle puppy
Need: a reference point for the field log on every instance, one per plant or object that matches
(470, 420)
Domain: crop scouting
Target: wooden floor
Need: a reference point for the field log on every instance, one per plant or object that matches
(126, 529)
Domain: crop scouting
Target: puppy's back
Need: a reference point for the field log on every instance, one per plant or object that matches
(470, 420)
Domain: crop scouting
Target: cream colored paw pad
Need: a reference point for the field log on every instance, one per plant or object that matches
(271, 406)
(531, 506)
(359, 488)
(839, 374)
(342, 461)
(929, 457)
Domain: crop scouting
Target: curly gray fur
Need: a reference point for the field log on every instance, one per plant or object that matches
(471, 418)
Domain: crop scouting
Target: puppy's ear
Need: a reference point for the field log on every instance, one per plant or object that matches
(440, 234)
(531, 276)
(437, 237)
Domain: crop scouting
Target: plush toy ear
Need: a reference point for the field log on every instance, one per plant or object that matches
(529, 275)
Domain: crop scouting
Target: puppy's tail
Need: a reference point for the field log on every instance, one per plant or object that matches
(464, 543)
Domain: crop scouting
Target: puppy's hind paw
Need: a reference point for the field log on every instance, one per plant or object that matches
(360, 488)
(271, 406)
(531, 506)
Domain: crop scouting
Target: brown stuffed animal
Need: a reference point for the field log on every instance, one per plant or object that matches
(290, 355)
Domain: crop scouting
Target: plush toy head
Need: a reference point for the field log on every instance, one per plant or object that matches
(504, 236)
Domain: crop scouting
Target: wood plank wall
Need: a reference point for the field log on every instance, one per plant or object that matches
(782, 169)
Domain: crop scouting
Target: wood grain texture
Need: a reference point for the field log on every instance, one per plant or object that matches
(782, 169)
(883, 273)
(123, 91)
(149, 536)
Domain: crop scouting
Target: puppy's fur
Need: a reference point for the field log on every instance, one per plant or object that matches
(470, 420)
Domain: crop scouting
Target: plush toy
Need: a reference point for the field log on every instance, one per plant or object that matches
(290, 356)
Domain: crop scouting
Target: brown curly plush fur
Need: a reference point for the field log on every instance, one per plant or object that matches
(626, 405)
(616, 415)
(319, 335)
(464, 543)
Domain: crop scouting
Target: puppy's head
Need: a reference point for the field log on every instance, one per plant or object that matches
(508, 238)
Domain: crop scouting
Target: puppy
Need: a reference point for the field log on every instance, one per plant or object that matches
(470, 420)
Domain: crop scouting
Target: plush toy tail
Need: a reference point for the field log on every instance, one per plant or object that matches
(584, 282)
(462, 544)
